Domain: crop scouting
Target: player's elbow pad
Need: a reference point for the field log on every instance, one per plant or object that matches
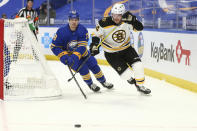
(56, 50)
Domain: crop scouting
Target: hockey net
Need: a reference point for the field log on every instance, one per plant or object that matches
(24, 70)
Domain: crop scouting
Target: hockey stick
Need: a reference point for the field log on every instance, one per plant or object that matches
(79, 68)
(106, 37)
(77, 83)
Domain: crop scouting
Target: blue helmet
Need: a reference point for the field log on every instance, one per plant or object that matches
(30, 0)
(73, 14)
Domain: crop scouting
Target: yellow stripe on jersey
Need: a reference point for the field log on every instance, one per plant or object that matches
(126, 42)
(112, 49)
(121, 47)
(85, 53)
(108, 26)
(77, 54)
(86, 77)
(62, 54)
(52, 46)
(82, 43)
(99, 75)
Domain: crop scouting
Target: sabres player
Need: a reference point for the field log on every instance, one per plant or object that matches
(70, 45)
(115, 33)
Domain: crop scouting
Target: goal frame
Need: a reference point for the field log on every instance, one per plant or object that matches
(26, 76)
(1, 58)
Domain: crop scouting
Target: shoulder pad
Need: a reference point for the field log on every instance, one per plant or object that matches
(106, 21)
(82, 29)
(61, 31)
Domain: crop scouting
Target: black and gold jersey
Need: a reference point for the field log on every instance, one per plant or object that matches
(117, 37)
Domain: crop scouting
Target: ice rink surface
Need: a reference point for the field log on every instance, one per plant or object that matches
(168, 108)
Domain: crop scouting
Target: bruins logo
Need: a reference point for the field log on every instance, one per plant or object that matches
(119, 36)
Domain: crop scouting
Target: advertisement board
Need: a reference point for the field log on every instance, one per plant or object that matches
(171, 53)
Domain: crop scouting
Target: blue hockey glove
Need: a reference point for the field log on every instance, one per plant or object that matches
(64, 59)
(70, 61)
(73, 61)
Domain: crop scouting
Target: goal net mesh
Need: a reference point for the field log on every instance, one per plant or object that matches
(26, 73)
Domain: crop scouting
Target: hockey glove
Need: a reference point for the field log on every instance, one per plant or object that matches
(93, 46)
(73, 61)
(70, 61)
(93, 49)
(129, 18)
(64, 59)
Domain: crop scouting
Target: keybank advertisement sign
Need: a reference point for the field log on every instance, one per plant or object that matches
(171, 53)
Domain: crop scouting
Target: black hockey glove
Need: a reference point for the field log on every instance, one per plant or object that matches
(93, 49)
(93, 46)
(131, 19)
(128, 18)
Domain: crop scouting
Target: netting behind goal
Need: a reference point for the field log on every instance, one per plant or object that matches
(25, 70)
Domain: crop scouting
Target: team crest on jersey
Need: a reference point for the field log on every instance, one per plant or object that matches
(119, 36)
(72, 45)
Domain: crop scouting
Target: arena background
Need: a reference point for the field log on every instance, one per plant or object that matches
(167, 45)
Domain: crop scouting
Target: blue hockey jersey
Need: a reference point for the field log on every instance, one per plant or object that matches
(70, 42)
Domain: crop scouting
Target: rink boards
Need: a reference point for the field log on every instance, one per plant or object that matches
(166, 55)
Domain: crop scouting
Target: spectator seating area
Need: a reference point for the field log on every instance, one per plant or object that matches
(170, 14)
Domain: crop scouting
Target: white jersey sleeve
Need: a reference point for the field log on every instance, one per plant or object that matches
(98, 31)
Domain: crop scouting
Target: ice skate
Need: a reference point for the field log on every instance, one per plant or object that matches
(94, 87)
(143, 89)
(107, 85)
(131, 81)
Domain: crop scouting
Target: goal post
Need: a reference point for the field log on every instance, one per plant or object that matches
(24, 73)
(1, 58)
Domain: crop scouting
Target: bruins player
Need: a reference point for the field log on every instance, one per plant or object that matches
(115, 30)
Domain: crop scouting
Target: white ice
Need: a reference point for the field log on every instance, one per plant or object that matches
(168, 108)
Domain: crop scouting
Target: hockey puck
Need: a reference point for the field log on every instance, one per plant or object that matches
(77, 125)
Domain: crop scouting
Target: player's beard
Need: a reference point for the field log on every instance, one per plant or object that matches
(117, 21)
